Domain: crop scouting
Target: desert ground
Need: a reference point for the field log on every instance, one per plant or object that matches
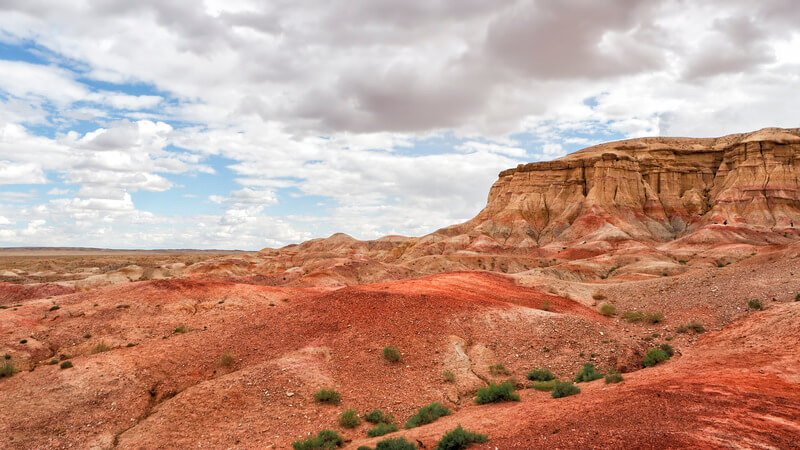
(227, 350)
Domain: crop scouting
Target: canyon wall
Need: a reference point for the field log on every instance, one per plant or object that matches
(646, 189)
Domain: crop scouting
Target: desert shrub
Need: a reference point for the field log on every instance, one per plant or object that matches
(130, 344)
(503, 392)
(349, 419)
(24, 341)
(66, 364)
(720, 264)
(100, 348)
(540, 374)
(7, 369)
(545, 385)
(399, 443)
(683, 261)
(565, 389)
(613, 376)
(87, 336)
(693, 325)
(391, 354)
(587, 373)
(363, 447)
(54, 307)
(498, 369)
(328, 396)
(378, 416)
(668, 350)
(797, 297)
(181, 329)
(381, 429)
(653, 317)
(633, 316)
(325, 439)
(449, 376)
(608, 310)
(654, 356)
(6, 356)
(427, 414)
(459, 439)
(755, 304)
(225, 359)
(53, 362)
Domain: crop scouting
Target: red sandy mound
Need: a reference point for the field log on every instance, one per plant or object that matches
(168, 387)
(15, 293)
(738, 388)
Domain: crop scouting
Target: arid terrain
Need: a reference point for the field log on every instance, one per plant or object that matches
(693, 242)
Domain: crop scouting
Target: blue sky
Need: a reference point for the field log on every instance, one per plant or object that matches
(248, 124)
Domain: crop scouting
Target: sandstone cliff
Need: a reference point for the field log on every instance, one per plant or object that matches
(655, 189)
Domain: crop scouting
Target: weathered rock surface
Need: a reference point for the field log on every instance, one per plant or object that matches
(655, 189)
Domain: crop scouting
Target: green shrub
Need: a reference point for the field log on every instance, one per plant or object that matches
(797, 297)
(378, 416)
(545, 385)
(364, 447)
(654, 356)
(755, 304)
(608, 310)
(381, 429)
(24, 341)
(391, 354)
(540, 374)
(53, 362)
(100, 348)
(613, 376)
(54, 307)
(587, 373)
(7, 369)
(225, 359)
(325, 439)
(181, 329)
(66, 364)
(6, 356)
(565, 389)
(399, 443)
(449, 376)
(498, 369)
(668, 350)
(427, 414)
(349, 419)
(459, 439)
(328, 396)
(633, 316)
(653, 317)
(87, 336)
(503, 392)
(693, 325)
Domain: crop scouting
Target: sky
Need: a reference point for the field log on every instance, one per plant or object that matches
(241, 124)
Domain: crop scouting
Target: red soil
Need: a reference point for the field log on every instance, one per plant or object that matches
(169, 390)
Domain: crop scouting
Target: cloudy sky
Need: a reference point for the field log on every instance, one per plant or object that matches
(247, 124)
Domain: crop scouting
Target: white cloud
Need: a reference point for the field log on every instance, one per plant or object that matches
(330, 98)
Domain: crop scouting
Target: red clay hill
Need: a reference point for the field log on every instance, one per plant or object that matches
(671, 262)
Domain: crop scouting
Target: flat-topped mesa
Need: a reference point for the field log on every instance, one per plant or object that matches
(648, 189)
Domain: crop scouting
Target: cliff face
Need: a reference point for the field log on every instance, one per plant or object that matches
(647, 189)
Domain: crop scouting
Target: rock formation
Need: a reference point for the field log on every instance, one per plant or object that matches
(655, 189)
